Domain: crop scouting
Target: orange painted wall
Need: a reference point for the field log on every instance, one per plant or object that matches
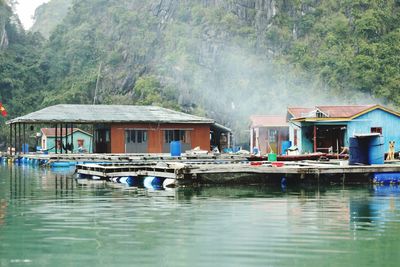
(199, 134)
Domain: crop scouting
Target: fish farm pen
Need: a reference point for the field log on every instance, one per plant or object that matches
(160, 170)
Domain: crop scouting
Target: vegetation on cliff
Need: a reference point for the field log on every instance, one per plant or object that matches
(222, 59)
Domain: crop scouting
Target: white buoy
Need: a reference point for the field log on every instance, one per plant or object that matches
(169, 183)
(123, 180)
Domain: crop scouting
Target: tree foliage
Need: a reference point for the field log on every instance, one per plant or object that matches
(222, 59)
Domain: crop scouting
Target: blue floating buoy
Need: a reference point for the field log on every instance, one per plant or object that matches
(151, 182)
(387, 178)
(128, 180)
(133, 181)
(59, 164)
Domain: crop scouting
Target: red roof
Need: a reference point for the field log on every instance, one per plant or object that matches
(299, 112)
(343, 111)
(268, 121)
(51, 132)
(330, 111)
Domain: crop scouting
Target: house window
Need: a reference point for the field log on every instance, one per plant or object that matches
(80, 142)
(136, 136)
(272, 136)
(376, 130)
(176, 135)
(295, 137)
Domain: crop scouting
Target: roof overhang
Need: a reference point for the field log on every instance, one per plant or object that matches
(221, 128)
(345, 119)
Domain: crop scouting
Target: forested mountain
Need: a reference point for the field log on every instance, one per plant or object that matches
(49, 15)
(222, 59)
(21, 76)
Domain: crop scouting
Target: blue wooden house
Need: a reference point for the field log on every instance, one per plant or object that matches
(82, 141)
(328, 128)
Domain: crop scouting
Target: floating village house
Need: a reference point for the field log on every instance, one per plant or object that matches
(328, 128)
(124, 128)
(81, 140)
(267, 132)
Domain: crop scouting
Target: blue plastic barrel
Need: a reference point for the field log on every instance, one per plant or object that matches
(175, 148)
(376, 151)
(25, 148)
(285, 145)
(358, 150)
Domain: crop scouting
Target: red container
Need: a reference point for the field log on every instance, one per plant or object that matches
(277, 164)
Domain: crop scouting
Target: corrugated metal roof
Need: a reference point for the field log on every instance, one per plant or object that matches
(343, 111)
(299, 112)
(109, 114)
(51, 132)
(330, 111)
(268, 121)
(348, 112)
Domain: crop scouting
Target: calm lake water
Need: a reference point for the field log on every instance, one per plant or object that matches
(49, 219)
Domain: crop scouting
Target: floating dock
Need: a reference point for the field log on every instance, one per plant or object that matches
(225, 171)
(210, 169)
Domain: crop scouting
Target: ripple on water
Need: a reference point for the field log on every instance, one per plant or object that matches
(50, 225)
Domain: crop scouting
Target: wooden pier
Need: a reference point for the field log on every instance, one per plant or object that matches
(128, 158)
(209, 169)
(226, 171)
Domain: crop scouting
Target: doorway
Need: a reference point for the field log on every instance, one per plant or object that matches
(102, 140)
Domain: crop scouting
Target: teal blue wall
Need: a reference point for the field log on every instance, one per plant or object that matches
(377, 118)
(389, 123)
(77, 135)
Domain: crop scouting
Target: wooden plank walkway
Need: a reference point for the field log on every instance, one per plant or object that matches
(133, 157)
(193, 170)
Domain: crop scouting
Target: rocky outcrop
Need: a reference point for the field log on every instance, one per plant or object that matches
(3, 37)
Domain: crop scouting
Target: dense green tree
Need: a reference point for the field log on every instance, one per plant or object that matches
(221, 59)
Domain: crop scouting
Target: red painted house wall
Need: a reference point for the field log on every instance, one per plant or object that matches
(199, 135)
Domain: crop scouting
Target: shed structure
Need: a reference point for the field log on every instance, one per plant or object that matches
(267, 133)
(328, 128)
(81, 140)
(122, 128)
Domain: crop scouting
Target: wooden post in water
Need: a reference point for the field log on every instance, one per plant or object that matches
(66, 138)
(19, 137)
(55, 142)
(24, 135)
(72, 138)
(10, 145)
(15, 138)
(92, 143)
(315, 138)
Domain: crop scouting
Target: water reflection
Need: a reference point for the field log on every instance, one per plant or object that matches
(44, 213)
(375, 208)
